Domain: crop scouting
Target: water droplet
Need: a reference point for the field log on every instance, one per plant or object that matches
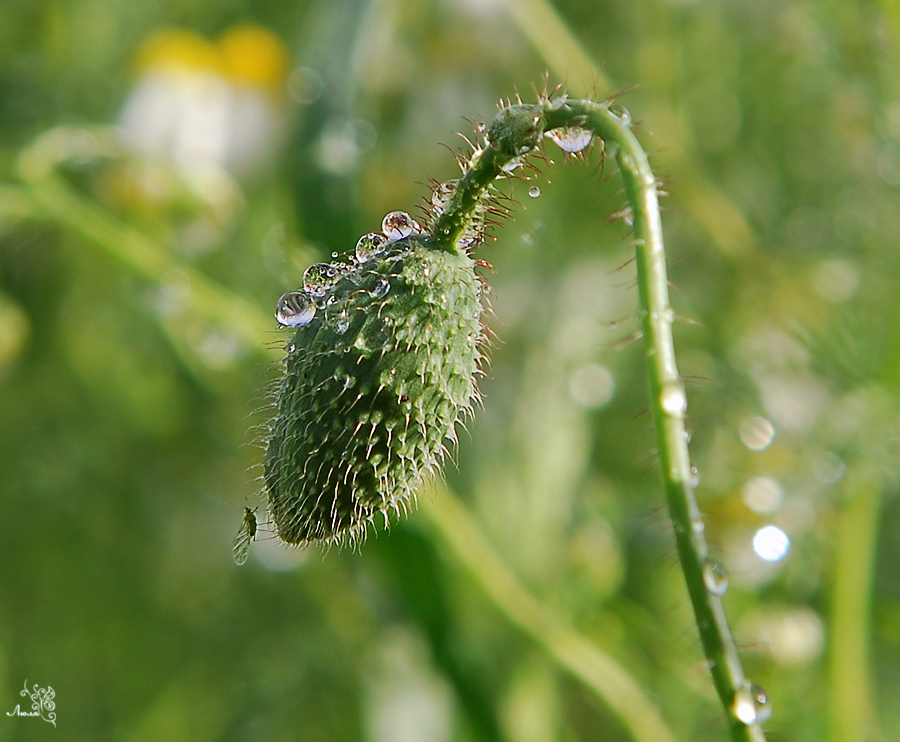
(512, 164)
(343, 322)
(368, 245)
(695, 476)
(761, 702)
(751, 704)
(295, 309)
(381, 288)
(399, 224)
(318, 278)
(344, 380)
(570, 138)
(441, 196)
(621, 113)
(534, 191)
(743, 706)
(246, 533)
(673, 400)
(715, 577)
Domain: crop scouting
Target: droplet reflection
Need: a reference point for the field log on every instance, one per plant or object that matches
(570, 138)
(399, 224)
(295, 309)
(715, 577)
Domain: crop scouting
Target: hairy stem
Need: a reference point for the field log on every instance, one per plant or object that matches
(514, 133)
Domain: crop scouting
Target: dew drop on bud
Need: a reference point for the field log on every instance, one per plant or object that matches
(343, 322)
(381, 288)
(534, 191)
(368, 245)
(295, 309)
(715, 577)
(399, 224)
(570, 138)
(343, 380)
(318, 278)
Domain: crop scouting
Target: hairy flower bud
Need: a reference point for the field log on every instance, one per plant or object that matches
(375, 380)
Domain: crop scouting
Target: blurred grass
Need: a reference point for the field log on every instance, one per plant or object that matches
(127, 401)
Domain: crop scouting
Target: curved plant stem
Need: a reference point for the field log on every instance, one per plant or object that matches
(515, 132)
(572, 651)
(668, 403)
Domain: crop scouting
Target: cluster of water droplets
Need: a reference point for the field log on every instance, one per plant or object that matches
(297, 308)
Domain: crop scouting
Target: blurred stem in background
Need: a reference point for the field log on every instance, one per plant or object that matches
(851, 702)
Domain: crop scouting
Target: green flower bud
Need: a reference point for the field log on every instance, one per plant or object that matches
(375, 382)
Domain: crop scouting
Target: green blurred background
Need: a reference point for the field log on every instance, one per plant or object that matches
(167, 171)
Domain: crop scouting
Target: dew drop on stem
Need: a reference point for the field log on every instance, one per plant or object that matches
(621, 113)
(440, 197)
(673, 400)
(751, 704)
(570, 139)
(715, 577)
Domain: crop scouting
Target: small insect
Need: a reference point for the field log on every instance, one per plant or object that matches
(246, 533)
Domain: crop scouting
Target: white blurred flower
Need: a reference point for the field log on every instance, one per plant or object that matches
(206, 106)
